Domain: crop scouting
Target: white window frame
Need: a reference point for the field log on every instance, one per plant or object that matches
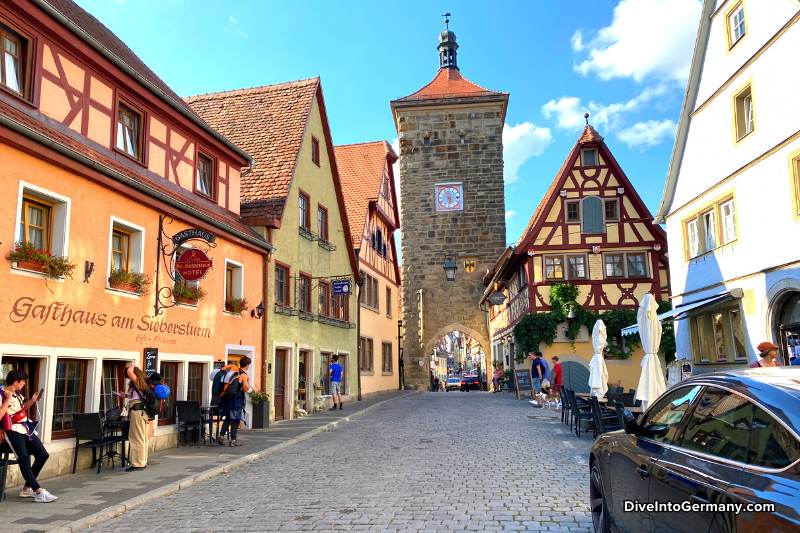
(59, 241)
(596, 157)
(709, 219)
(238, 282)
(736, 20)
(728, 221)
(693, 235)
(135, 256)
(579, 203)
(544, 267)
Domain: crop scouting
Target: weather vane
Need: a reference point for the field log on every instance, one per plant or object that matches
(446, 21)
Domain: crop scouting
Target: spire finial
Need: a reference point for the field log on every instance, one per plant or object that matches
(586, 116)
(446, 21)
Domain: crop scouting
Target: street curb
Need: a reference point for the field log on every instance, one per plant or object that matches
(162, 492)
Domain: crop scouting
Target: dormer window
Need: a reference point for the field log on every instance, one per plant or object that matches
(590, 157)
(315, 150)
(205, 173)
(128, 131)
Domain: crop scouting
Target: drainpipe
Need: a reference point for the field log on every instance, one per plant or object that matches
(265, 260)
(360, 284)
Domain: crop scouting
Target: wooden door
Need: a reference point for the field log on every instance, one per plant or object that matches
(280, 383)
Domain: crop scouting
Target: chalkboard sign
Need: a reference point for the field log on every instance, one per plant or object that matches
(150, 361)
(524, 381)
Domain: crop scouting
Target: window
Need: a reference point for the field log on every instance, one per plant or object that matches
(379, 241)
(324, 295)
(576, 266)
(368, 295)
(120, 249)
(462, 139)
(69, 397)
(128, 130)
(611, 211)
(234, 284)
(362, 293)
(341, 307)
(771, 444)
(315, 150)
(728, 212)
(322, 223)
(36, 222)
(554, 267)
(13, 60)
(714, 226)
(719, 425)
(426, 141)
(573, 211)
(194, 386)
(614, 265)
(113, 380)
(281, 285)
(228, 281)
(719, 336)
(389, 302)
(305, 213)
(386, 355)
(737, 25)
(593, 215)
(375, 294)
(304, 293)
(366, 353)
(664, 418)
(693, 238)
(745, 113)
(169, 377)
(589, 158)
(522, 276)
(710, 230)
(205, 176)
(637, 266)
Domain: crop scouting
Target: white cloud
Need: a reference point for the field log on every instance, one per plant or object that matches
(510, 216)
(520, 143)
(646, 38)
(120, 1)
(644, 135)
(233, 20)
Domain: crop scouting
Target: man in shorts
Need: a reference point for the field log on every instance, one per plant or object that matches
(538, 374)
(335, 377)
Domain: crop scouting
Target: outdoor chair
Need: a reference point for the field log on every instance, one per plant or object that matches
(5, 462)
(625, 398)
(636, 403)
(565, 406)
(579, 411)
(604, 419)
(89, 427)
(189, 418)
(620, 410)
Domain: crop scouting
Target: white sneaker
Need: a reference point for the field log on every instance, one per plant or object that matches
(26, 493)
(45, 497)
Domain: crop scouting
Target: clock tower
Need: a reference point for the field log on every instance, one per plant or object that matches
(452, 207)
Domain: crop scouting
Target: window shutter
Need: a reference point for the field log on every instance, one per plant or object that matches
(593, 215)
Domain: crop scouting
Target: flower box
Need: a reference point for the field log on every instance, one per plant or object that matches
(35, 266)
(126, 286)
(186, 301)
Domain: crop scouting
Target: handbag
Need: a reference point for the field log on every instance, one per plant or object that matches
(114, 414)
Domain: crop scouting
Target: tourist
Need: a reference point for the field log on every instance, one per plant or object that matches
(556, 373)
(436, 383)
(538, 374)
(768, 353)
(137, 435)
(21, 438)
(335, 380)
(497, 378)
(232, 404)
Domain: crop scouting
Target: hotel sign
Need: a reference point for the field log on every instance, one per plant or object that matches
(193, 264)
(193, 233)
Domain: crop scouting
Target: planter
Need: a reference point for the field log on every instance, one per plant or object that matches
(261, 415)
(187, 301)
(35, 266)
(126, 286)
(319, 388)
(301, 391)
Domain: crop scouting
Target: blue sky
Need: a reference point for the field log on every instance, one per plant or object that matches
(626, 62)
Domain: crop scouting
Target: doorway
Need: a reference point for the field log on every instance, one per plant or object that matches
(280, 383)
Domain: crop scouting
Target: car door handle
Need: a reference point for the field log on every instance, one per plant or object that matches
(643, 472)
(698, 499)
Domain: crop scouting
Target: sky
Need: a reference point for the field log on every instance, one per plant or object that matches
(625, 62)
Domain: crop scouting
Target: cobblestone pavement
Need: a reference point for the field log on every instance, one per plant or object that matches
(435, 461)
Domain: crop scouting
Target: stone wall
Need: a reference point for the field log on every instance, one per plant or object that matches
(477, 233)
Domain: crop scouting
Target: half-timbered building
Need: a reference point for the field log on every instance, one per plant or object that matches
(593, 231)
(368, 185)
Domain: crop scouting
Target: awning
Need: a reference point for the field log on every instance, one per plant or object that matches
(680, 312)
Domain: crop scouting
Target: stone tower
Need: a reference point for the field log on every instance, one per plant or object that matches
(452, 206)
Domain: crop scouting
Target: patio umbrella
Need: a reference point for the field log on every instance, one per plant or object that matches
(651, 382)
(598, 374)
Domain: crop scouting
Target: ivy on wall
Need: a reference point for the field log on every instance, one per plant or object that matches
(535, 328)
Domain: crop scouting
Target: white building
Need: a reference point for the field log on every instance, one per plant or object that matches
(732, 198)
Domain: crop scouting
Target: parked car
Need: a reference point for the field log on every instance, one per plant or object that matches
(452, 384)
(722, 438)
(470, 383)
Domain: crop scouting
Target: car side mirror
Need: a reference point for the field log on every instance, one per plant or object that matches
(631, 426)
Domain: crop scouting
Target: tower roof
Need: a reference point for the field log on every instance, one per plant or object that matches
(449, 83)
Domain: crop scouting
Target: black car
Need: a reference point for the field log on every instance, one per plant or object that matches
(721, 438)
(470, 383)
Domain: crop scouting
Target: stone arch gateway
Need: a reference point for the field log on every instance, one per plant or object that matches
(452, 205)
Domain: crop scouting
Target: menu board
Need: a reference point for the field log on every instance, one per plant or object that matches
(150, 361)
(523, 380)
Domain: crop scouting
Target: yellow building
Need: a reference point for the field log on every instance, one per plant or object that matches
(367, 181)
(591, 231)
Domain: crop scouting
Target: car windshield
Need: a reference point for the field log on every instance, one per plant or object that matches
(453, 380)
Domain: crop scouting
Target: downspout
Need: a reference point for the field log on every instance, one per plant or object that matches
(265, 260)
(360, 284)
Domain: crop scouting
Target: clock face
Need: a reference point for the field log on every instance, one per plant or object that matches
(449, 197)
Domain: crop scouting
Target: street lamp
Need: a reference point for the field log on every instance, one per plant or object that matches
(450, 270)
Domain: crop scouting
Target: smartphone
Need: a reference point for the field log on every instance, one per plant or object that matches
(41, 392)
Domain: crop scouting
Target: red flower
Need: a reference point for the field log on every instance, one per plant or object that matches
(16, 250)
(29, 252)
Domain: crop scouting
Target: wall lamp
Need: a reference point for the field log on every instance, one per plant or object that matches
(450, 269)
(88, 268)
(258, 312)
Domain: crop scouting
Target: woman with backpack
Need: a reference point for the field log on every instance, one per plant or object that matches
(232, 404)
(137, 435)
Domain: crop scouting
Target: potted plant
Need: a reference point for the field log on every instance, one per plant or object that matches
(130, 281)
(260, 402)
(186, 294)
(29, 257)
(236, 305)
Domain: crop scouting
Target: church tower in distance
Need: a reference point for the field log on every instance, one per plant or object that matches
(452, 207)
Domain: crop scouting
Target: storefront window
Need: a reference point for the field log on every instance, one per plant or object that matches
(169, 377)
(69, 396)
(719, 336)
(194, 389)
(791, 313)
(113, 380)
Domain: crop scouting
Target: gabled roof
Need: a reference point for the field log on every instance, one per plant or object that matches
(268, 122)
(361, 171)
(449, 83)
(96, 35)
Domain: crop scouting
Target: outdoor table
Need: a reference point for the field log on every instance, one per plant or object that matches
(208, 412)
(587, 395)
(115, 429)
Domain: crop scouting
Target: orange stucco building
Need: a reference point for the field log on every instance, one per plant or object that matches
(96, 151)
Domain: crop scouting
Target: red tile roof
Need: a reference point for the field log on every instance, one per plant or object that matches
(449, 83)
(72, 140)
(268, 123)
(589, 135)
(360, 171)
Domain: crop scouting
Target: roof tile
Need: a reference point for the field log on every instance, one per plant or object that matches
(449, 83)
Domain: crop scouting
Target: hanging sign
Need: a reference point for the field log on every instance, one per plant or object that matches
(150, 361)
(341, 286)
(193, 233)
(193, 264)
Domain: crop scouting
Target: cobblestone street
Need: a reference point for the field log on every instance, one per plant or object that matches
(445, 461)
